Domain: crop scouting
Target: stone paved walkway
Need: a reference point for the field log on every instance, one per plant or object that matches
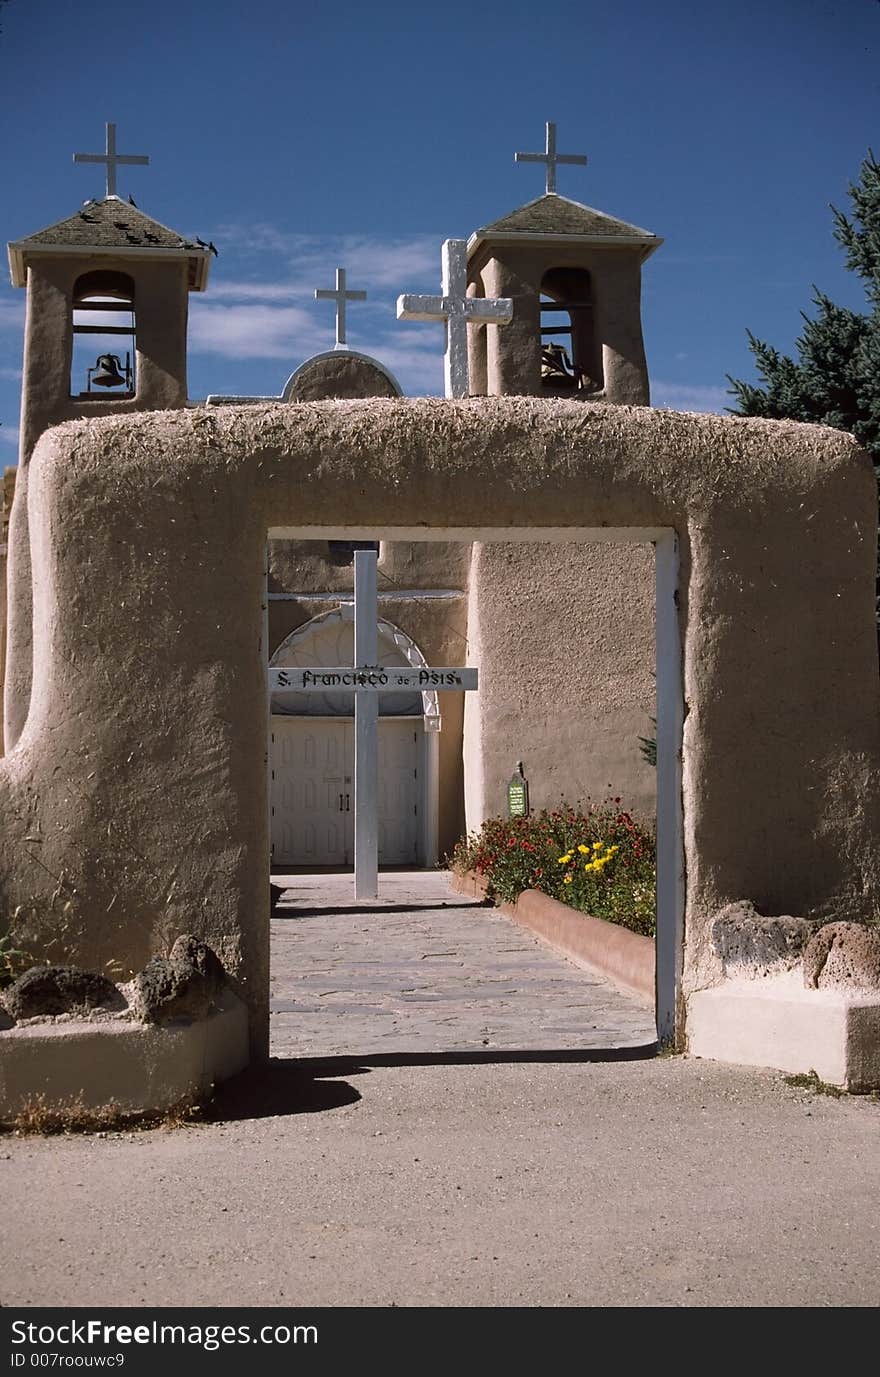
(424, 970)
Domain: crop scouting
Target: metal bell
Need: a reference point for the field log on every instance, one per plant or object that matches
(108, 372)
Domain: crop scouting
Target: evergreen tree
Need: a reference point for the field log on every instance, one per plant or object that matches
(835, 380)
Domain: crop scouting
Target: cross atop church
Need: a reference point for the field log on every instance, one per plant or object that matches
(340, 296)
(456, 309)
(111, 158)
(551, 157)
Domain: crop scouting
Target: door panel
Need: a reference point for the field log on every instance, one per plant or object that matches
(312, 762)
(399, 791)
(310, 822)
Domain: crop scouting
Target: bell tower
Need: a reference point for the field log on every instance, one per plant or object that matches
(105, 333)
(574, 276)
(106, 283)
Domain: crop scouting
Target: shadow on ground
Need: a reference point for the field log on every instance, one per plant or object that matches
(312, 1085)
(281, 910)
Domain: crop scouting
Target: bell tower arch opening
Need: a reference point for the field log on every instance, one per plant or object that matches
(104, 332)
(571, 358)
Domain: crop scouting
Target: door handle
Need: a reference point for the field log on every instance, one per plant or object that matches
(348, 803)
(340, 803)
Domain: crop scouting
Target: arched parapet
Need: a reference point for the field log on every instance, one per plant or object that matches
(340, 374)
(332, 631)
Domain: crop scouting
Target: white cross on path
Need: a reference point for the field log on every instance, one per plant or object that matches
(550, 157)
(457, 310)
(340, 296)
(368, 680)
(111, 158)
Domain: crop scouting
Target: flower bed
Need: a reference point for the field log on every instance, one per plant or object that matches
(598, 860)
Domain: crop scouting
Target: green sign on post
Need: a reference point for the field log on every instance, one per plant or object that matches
(518, 794)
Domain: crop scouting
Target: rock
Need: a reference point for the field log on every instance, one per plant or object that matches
(185, 984)
(843, 956)
(6, 1020)
(48, 990)
(753, 946)
(193, 951)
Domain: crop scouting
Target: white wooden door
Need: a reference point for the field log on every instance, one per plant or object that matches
(399, 791)
(312, 763)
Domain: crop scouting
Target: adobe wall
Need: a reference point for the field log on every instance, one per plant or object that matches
(564, 638)
(134, 806)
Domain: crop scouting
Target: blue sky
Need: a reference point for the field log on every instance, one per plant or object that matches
(302, 136)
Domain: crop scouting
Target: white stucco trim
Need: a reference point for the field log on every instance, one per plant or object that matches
(20, 251)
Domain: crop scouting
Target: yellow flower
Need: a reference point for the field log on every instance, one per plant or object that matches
(591, 865)
(584, 850)
(597, 846)
(568, 879)
(563, 860)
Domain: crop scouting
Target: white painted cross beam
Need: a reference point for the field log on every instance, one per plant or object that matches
(367, 680)
(550, 157)
(457, 310)
(340, 296)
(112, 159)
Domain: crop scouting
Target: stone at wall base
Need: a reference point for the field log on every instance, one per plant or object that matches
(131, 1068)
(777, 1023)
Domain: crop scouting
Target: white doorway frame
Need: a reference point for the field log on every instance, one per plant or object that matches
(670, 701)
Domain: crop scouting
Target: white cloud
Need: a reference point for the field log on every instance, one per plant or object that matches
(9, 435)
(10, 374)
(253, 331)
(689, 397)
(259, 291)
(11, 314)
(369, 262)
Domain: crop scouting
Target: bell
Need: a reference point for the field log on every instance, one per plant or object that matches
(107, 372)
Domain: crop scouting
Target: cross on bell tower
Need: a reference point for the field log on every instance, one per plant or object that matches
(551, 157)
(111, 158)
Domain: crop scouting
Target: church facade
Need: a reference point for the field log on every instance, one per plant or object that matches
(562, 631)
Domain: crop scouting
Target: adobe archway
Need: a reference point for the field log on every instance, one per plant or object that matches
(147, 719)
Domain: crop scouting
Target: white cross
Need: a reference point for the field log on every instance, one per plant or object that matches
(367, 680)
(550, 157)
(340, 296)
(111, 158)
(456, 309)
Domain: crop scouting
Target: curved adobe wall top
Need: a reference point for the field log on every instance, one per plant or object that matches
(139, 776)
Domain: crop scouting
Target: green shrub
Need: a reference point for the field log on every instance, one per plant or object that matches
(598, 860)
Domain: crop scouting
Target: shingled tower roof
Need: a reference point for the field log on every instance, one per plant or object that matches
(110, 226)
(556, 217)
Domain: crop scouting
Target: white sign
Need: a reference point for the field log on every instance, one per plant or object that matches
(379, 678)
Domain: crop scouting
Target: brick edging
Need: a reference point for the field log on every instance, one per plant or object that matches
(623, 957)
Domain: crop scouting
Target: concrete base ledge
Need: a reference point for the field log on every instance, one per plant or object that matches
(117, 1065)
(778, 1023)
(625, 958)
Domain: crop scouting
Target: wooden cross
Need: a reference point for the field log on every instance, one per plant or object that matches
(457, 310)
(111, 158)
(340, 296)
(550, 157)
(367, 680)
